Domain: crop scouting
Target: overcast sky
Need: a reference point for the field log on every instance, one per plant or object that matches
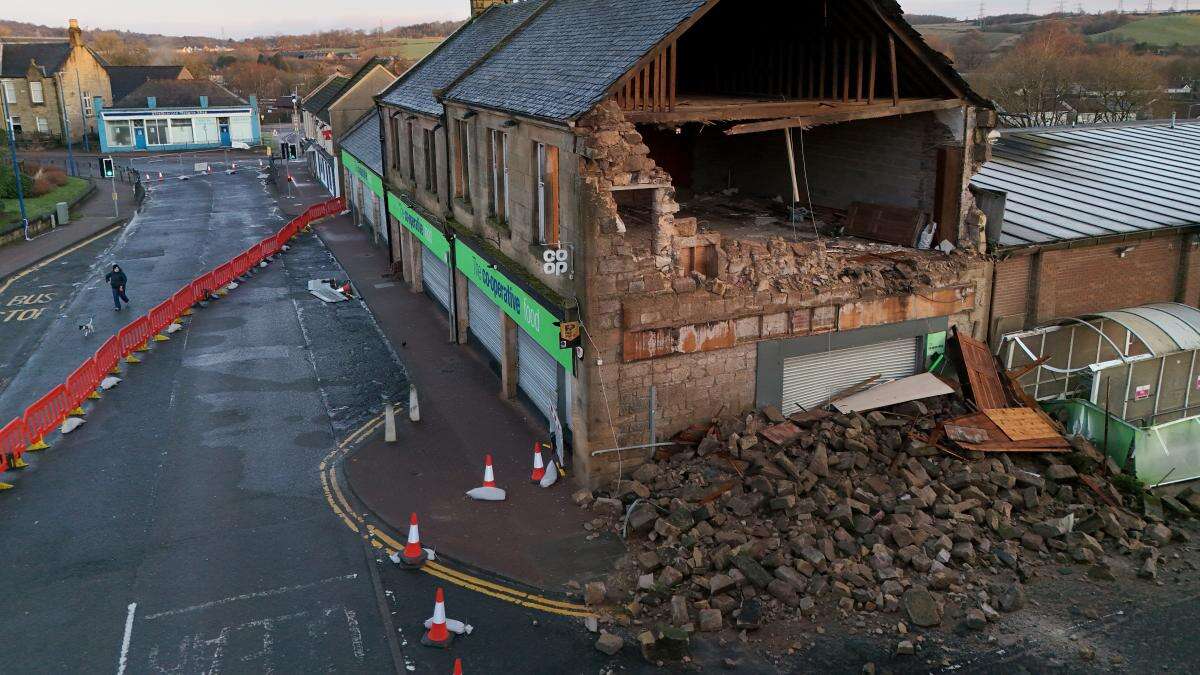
(242, 18)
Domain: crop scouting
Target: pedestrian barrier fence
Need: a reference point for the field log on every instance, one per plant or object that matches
(27, 432)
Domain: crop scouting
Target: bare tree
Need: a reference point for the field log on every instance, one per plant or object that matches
(1121, 83)
(1032, 82)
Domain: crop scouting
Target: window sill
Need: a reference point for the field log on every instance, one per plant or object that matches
(464, 205)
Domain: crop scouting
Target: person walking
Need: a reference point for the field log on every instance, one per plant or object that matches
(117, 280)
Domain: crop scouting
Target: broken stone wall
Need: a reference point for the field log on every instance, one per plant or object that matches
(694, 338)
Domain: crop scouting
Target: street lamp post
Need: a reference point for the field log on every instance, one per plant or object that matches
(12, 150)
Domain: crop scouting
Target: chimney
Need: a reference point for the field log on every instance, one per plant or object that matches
(74, 33)
(480, 6)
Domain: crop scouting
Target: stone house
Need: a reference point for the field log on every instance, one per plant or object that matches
(648, 233)
(332, 109)
(50, 84)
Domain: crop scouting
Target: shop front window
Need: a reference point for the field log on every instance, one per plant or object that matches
(120, 133)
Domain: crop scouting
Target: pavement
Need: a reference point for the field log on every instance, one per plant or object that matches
(536, 536)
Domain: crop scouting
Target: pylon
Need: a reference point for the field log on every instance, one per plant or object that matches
(457, 666)
(413, 556)
(539, 469)
(160, 177)
(438, 635)
(489, 479)
(147, 177)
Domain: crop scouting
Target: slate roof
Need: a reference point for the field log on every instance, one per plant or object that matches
(179, 94)
(321, 97)
(125, 79)
(362, 141)
(1075, 183)
(414, 90)
(560, 64)
(15, 57)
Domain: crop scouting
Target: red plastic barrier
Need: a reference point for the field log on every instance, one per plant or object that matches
(162, 316)
(13, 440)
(43, 416)
(134, 335)
(181, 300)
(81, 383)
(107, 356)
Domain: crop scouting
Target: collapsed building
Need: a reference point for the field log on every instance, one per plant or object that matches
(646, 232)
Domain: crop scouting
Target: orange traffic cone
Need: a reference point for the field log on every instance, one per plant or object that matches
(413, 556)
(539, 469)
(489, 479)
(438, 635)
(457, 666)
(160, 175)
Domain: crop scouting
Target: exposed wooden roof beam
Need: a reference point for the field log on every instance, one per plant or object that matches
(846, 114)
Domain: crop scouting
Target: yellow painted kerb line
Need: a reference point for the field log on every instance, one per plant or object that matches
(66, 251)
(381, 540)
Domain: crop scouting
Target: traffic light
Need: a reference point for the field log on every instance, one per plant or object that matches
(106, 167)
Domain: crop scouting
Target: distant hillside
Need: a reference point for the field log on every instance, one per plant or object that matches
(1159, 31)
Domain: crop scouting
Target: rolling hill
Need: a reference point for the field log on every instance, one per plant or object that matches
(1161, 31)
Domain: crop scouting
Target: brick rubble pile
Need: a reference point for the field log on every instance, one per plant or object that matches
(856, 515)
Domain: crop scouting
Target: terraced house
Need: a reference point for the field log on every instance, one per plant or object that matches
(49, 86)
(650, 213)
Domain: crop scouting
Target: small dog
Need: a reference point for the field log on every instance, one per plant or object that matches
(88, 327)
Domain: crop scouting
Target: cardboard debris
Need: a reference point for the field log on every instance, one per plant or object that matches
(923, 385)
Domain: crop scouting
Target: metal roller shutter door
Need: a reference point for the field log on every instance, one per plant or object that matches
(537, 373)
(435, 274)
(812, 378)
(484, 319)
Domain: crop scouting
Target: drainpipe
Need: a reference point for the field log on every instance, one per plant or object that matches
(66, 121)
(385, 122)
(445, 124)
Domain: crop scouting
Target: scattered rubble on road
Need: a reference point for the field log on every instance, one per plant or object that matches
(331, 290)
(924, 514)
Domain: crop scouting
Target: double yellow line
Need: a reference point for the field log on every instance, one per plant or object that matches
(384, 542)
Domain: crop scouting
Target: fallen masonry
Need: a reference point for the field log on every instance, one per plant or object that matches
(853, 515)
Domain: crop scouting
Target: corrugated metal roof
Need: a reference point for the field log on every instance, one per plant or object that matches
(1077, 183)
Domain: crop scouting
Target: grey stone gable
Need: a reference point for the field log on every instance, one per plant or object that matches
(414, 90)
(362, 141)
(561, 64)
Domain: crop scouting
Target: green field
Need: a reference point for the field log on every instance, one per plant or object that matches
(406, 48)
(40, 207)
(1161, 31)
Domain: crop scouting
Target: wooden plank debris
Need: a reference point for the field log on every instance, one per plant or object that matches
(977, 368)
(1020, 424)
(883, 222)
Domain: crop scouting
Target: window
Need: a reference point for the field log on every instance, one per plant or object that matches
(498, 178)
(546, 197)
(10, 91)
(395, 129)
(430, 161)
(156, 132)
(16, 125)
(412, 162)
(87, 104)
(462, 160)
(181, 132)
(120, 133)
(43, 125)
(35, 92)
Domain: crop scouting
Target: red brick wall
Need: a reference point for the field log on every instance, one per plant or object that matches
(1011, 291)
(1095, 278)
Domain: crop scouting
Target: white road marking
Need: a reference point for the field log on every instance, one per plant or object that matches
(250, 596)
(124, 660)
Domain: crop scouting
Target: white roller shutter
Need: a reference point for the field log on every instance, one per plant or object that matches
(812, 378)
(484, 319)
(435, 274)
(537, 373)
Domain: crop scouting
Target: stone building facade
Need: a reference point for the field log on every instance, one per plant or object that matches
(43, 78)
(685, 235)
